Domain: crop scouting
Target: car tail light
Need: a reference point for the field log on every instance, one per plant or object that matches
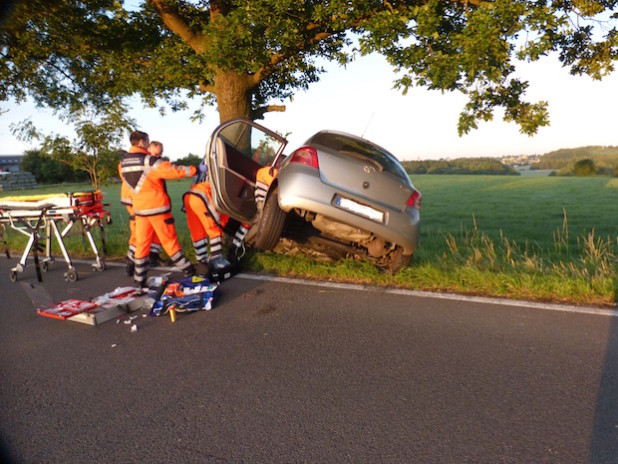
(307, 156)
(415, 200)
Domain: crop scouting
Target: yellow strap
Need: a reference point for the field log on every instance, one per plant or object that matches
(47, 196)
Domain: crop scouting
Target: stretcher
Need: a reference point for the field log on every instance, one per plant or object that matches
(41, 217)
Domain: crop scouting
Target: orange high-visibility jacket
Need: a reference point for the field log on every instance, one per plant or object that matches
(145, 178)
(126, 195)
(203, 190)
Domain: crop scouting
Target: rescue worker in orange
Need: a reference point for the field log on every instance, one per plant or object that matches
(207, 225)
(145, 176)
(126, 198)
(263, 178)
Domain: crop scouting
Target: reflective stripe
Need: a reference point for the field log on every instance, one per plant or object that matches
(153, 211)
(209, 206)
(260, 191)
(140, 182)
(200, 243)
(216, 246)
(127, 201)
(201, 249)
(176, 256)
(149, 164)
(141, 271)
(129, 167)
(239, 236)
(180, 261)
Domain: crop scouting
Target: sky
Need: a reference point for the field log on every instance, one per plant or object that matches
(360, 99)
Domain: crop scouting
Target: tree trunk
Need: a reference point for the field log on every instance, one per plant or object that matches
(233, 93)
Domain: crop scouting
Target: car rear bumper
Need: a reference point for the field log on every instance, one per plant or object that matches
(302, 188)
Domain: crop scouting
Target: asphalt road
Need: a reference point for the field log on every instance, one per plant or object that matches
(280, 372)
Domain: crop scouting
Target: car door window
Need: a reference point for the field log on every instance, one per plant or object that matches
(239, 150)
(252, 143)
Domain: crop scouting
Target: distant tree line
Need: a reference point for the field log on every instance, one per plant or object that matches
(492, 166)
(190, 160)
(47, 170)
(583, 161)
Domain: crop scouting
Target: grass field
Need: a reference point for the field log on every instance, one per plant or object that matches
(528, 237)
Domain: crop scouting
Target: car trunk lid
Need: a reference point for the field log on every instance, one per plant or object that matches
(363, 178)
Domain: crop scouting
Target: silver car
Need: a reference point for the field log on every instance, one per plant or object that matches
(337, 196)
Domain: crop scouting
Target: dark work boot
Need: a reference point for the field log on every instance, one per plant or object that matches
(130, 269)
(189, 271)
(155, 260)
(202, 268)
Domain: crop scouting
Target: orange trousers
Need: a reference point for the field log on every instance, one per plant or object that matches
(146, 229)
(202, 218)
(155, 247)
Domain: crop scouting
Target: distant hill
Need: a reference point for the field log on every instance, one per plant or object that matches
(491, 166)
(605, 159)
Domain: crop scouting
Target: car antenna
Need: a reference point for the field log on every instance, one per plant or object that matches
(367, 126)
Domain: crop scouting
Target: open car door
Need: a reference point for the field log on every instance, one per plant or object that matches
(235, 152)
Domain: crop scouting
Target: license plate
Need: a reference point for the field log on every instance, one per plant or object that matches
(359, 209)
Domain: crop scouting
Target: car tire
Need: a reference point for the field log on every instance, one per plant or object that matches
(398, 260)
(271, 223)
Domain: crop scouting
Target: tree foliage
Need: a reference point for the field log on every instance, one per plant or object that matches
(584, 167)
(93, 151)
(190, 160)
(47, 170)
(245, 56)
(564, 161)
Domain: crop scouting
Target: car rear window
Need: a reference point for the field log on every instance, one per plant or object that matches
(361, 149)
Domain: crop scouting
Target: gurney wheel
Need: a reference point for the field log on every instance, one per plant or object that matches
(70, 275)
(99, 267)
(44, 266)
(13, 275)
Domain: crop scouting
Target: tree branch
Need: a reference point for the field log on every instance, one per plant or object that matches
(324, 31)
(176, 23)
(262, 110)
(206, 87)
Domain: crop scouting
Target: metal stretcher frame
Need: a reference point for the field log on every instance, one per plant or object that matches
(38, 218)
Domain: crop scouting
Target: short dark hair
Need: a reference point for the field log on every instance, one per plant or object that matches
(137, 136)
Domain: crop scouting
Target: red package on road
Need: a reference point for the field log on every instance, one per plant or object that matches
(67, 309)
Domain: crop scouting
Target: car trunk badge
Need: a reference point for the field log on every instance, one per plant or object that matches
(369, 169)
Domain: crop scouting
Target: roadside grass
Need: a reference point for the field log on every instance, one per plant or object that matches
(528, 237)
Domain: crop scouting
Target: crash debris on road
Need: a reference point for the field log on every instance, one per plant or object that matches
(162, 297)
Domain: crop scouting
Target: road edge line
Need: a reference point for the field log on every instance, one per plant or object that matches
(590, 310)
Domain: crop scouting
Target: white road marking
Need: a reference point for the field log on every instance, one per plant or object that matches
(590, 310)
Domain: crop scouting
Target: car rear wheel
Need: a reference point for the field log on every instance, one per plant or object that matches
(270, 224)
(397, 260)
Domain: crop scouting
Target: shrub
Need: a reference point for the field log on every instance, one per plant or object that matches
(584, 167)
